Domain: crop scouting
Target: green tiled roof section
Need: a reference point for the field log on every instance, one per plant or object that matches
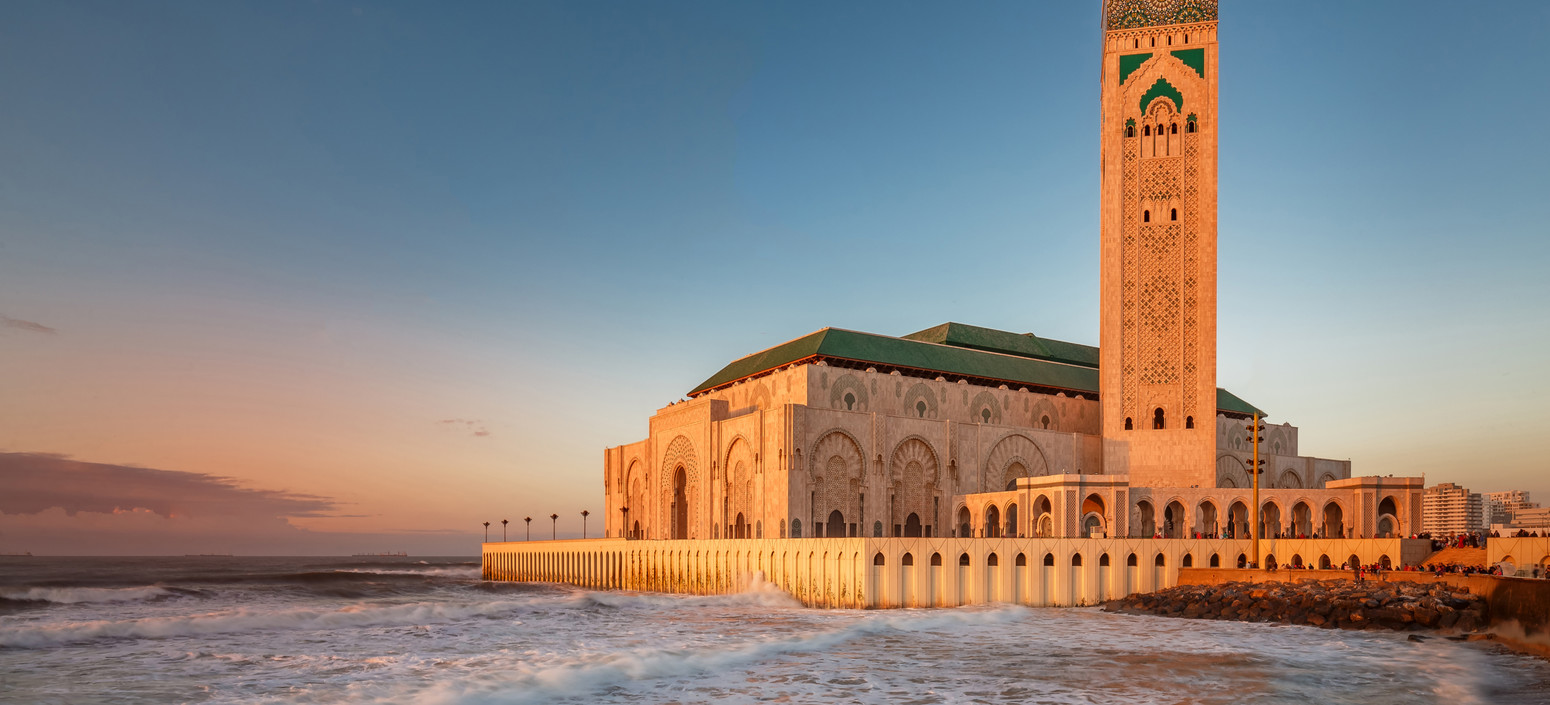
(1163, 88)
(1129, 63)
(901, 352)
(1022, 344)
(915, 352)
(1193, 58)
(1227, 401)
(805, 346)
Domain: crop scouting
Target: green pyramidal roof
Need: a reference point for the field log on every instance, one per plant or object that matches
(1020, 344)
(949, 349)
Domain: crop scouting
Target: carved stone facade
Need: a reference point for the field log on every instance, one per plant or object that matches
(964, 432)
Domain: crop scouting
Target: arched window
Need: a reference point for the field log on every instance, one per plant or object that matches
(1173, 214)
(1173, 128)
(1189, 422)
(1189, 127)
(1135, 44)
(1128, 425)
(1045, 421)
(1154, 41)
(1147, 131)
(1170, 40)
(1130, 130)
(1186, 39)
(1146, 216)
(796, 528)
(1157, 419)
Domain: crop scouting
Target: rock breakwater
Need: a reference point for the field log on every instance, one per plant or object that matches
(1331, 604)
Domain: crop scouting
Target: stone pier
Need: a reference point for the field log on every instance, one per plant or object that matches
(911, 572)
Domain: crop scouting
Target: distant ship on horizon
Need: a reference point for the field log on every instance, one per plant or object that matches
(400, 554)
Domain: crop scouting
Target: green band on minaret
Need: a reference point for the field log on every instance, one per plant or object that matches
(1133, 14)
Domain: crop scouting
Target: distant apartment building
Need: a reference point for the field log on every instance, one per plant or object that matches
(1448, 509)
(1500, 507)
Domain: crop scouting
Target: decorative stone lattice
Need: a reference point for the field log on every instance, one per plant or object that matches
(920, 401)
(1013, 457)
(913, 471)
(985, 408)
(680, 453)
(837, 468)
(739, 489)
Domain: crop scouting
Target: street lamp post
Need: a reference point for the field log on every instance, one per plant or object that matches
(487, 532)
(503, 531)
(584, 523)
(1255, 429)
(529, 521)
(554, 527)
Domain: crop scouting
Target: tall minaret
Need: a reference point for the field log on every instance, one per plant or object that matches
(1158, 297)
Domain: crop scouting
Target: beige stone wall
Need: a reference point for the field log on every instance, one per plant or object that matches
(1157, 334)
(899, 572)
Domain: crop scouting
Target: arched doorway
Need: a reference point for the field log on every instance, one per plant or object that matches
(1269, 521)
(1388, 518)
(1173, 521)
(834, 528)
(1093, 523)
(680, 504)
(1043, 521)
(1205, 516)
(965, 530)
(992, 522)
(1334, 521)
(740, 528)
(1238, 521)
(1148, 523)
(912, 525)
(1302, 520)
(1011, 521)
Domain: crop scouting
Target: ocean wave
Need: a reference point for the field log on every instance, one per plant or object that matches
(757, 593)
(472, 573)
(77, 595)
(589, 675)
(243, 620)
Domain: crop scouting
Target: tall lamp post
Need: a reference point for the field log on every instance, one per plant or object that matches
(529, 521)
(554, 527)
(1255, 430)
(584, 523)
(487, 532)
(503, 531)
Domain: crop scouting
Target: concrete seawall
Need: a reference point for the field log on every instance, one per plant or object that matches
(907, 572)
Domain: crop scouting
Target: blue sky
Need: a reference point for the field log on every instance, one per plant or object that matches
(282, 242)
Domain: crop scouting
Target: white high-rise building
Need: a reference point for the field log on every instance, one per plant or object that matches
(1500, 507)
(1449, 509)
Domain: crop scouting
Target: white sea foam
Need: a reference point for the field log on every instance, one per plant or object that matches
(584, 676)
(242, 620)
(77, 595)
(471, 572)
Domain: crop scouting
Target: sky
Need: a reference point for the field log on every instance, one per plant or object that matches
(336, 277)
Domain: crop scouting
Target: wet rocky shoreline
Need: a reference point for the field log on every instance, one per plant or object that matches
(1330, 604)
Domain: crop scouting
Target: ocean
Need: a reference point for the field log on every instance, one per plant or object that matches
(427, 630)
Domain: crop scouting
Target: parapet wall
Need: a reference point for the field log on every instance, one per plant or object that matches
(900, 572)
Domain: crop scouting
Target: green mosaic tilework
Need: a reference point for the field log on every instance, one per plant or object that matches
(1163, 88)
(1132, 14)
(1193, 58)
(1129, 63)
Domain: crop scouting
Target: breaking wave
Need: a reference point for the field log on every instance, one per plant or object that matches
(78, 595)
(588, 675)
(242, 620)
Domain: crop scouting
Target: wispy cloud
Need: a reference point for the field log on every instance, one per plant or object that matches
(473, 426)
(36, 482)
(29, 326)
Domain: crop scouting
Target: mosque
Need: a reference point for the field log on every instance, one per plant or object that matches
(969, 432)
(961, 464)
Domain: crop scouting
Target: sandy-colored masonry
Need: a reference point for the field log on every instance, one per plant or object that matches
(911, 572)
